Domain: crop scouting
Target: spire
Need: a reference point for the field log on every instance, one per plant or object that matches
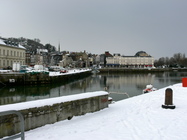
(59, 47)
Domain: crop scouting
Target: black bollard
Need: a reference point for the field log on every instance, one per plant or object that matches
(168, 99)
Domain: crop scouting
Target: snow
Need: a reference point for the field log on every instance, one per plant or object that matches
(3, 43)
(50, 101)
(72, 71)
(5, 71)
(20, 46)
(136, 118)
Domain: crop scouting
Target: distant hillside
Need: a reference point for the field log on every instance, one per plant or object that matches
(33, 45)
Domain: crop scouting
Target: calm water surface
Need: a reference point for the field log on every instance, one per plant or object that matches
(130, 84)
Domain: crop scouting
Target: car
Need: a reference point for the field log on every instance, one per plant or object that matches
(63, 71)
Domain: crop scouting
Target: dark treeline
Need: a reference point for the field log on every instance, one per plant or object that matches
(178, 60)
(33, 44)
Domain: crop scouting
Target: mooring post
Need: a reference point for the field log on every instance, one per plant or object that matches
(168, 99)
(106, 88)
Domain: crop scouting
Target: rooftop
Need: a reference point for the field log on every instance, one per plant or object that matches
(10, 43)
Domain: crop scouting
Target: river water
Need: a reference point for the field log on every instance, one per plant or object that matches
(121, 86)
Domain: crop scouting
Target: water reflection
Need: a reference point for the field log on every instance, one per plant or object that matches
(132, 84)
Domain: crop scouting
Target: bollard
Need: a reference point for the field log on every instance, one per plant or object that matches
(168, 99)
(106, 88)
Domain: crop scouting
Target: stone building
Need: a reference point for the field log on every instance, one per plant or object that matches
(10, 53)
(66, 61)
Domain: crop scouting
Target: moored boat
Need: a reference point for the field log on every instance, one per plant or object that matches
(149, 88)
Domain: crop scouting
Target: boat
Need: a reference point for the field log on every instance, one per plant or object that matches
(110, 100)
(95, 70)
(149, 88)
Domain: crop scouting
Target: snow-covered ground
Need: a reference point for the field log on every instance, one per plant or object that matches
(136, 118)
(71, 71)
(50, 101)
(5, 71)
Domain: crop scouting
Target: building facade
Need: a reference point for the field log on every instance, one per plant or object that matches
(66, 61)
(140, 60)
(10, 53)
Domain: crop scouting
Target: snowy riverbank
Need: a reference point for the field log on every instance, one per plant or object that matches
(71, 71)
(38, 77)
(136, 118)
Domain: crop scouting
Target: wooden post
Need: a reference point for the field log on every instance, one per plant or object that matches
(168, 99)
(106, 88)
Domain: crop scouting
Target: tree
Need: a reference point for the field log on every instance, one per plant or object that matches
(178, 60)
(50, 48)
(37, 40)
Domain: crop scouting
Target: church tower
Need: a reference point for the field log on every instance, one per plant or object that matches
(59, 47)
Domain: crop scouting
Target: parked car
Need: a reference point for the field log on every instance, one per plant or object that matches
(63, 71)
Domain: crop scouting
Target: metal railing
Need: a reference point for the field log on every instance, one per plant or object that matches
(22, 134)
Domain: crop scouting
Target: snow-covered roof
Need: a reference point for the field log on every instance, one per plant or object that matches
(2, 42)
(20, 46)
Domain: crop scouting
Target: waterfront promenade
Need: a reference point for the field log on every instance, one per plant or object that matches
(137, 70)
(136, 118)
(38, 77)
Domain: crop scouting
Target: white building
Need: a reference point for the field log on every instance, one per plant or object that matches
(140, 60)
(10, 53)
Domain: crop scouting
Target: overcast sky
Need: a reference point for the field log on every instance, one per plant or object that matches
(158, 27)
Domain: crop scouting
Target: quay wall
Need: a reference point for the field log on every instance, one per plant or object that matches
(136, 70)
(48, 114)
(7, 79)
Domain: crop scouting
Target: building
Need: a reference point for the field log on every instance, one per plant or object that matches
(80, 59)
(67, 61)
(140, 60)
(56, 57)
(103, 57)
(41, 57)
(10, 53)
(28, 58)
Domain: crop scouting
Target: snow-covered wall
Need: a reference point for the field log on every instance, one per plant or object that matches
(48, 111)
